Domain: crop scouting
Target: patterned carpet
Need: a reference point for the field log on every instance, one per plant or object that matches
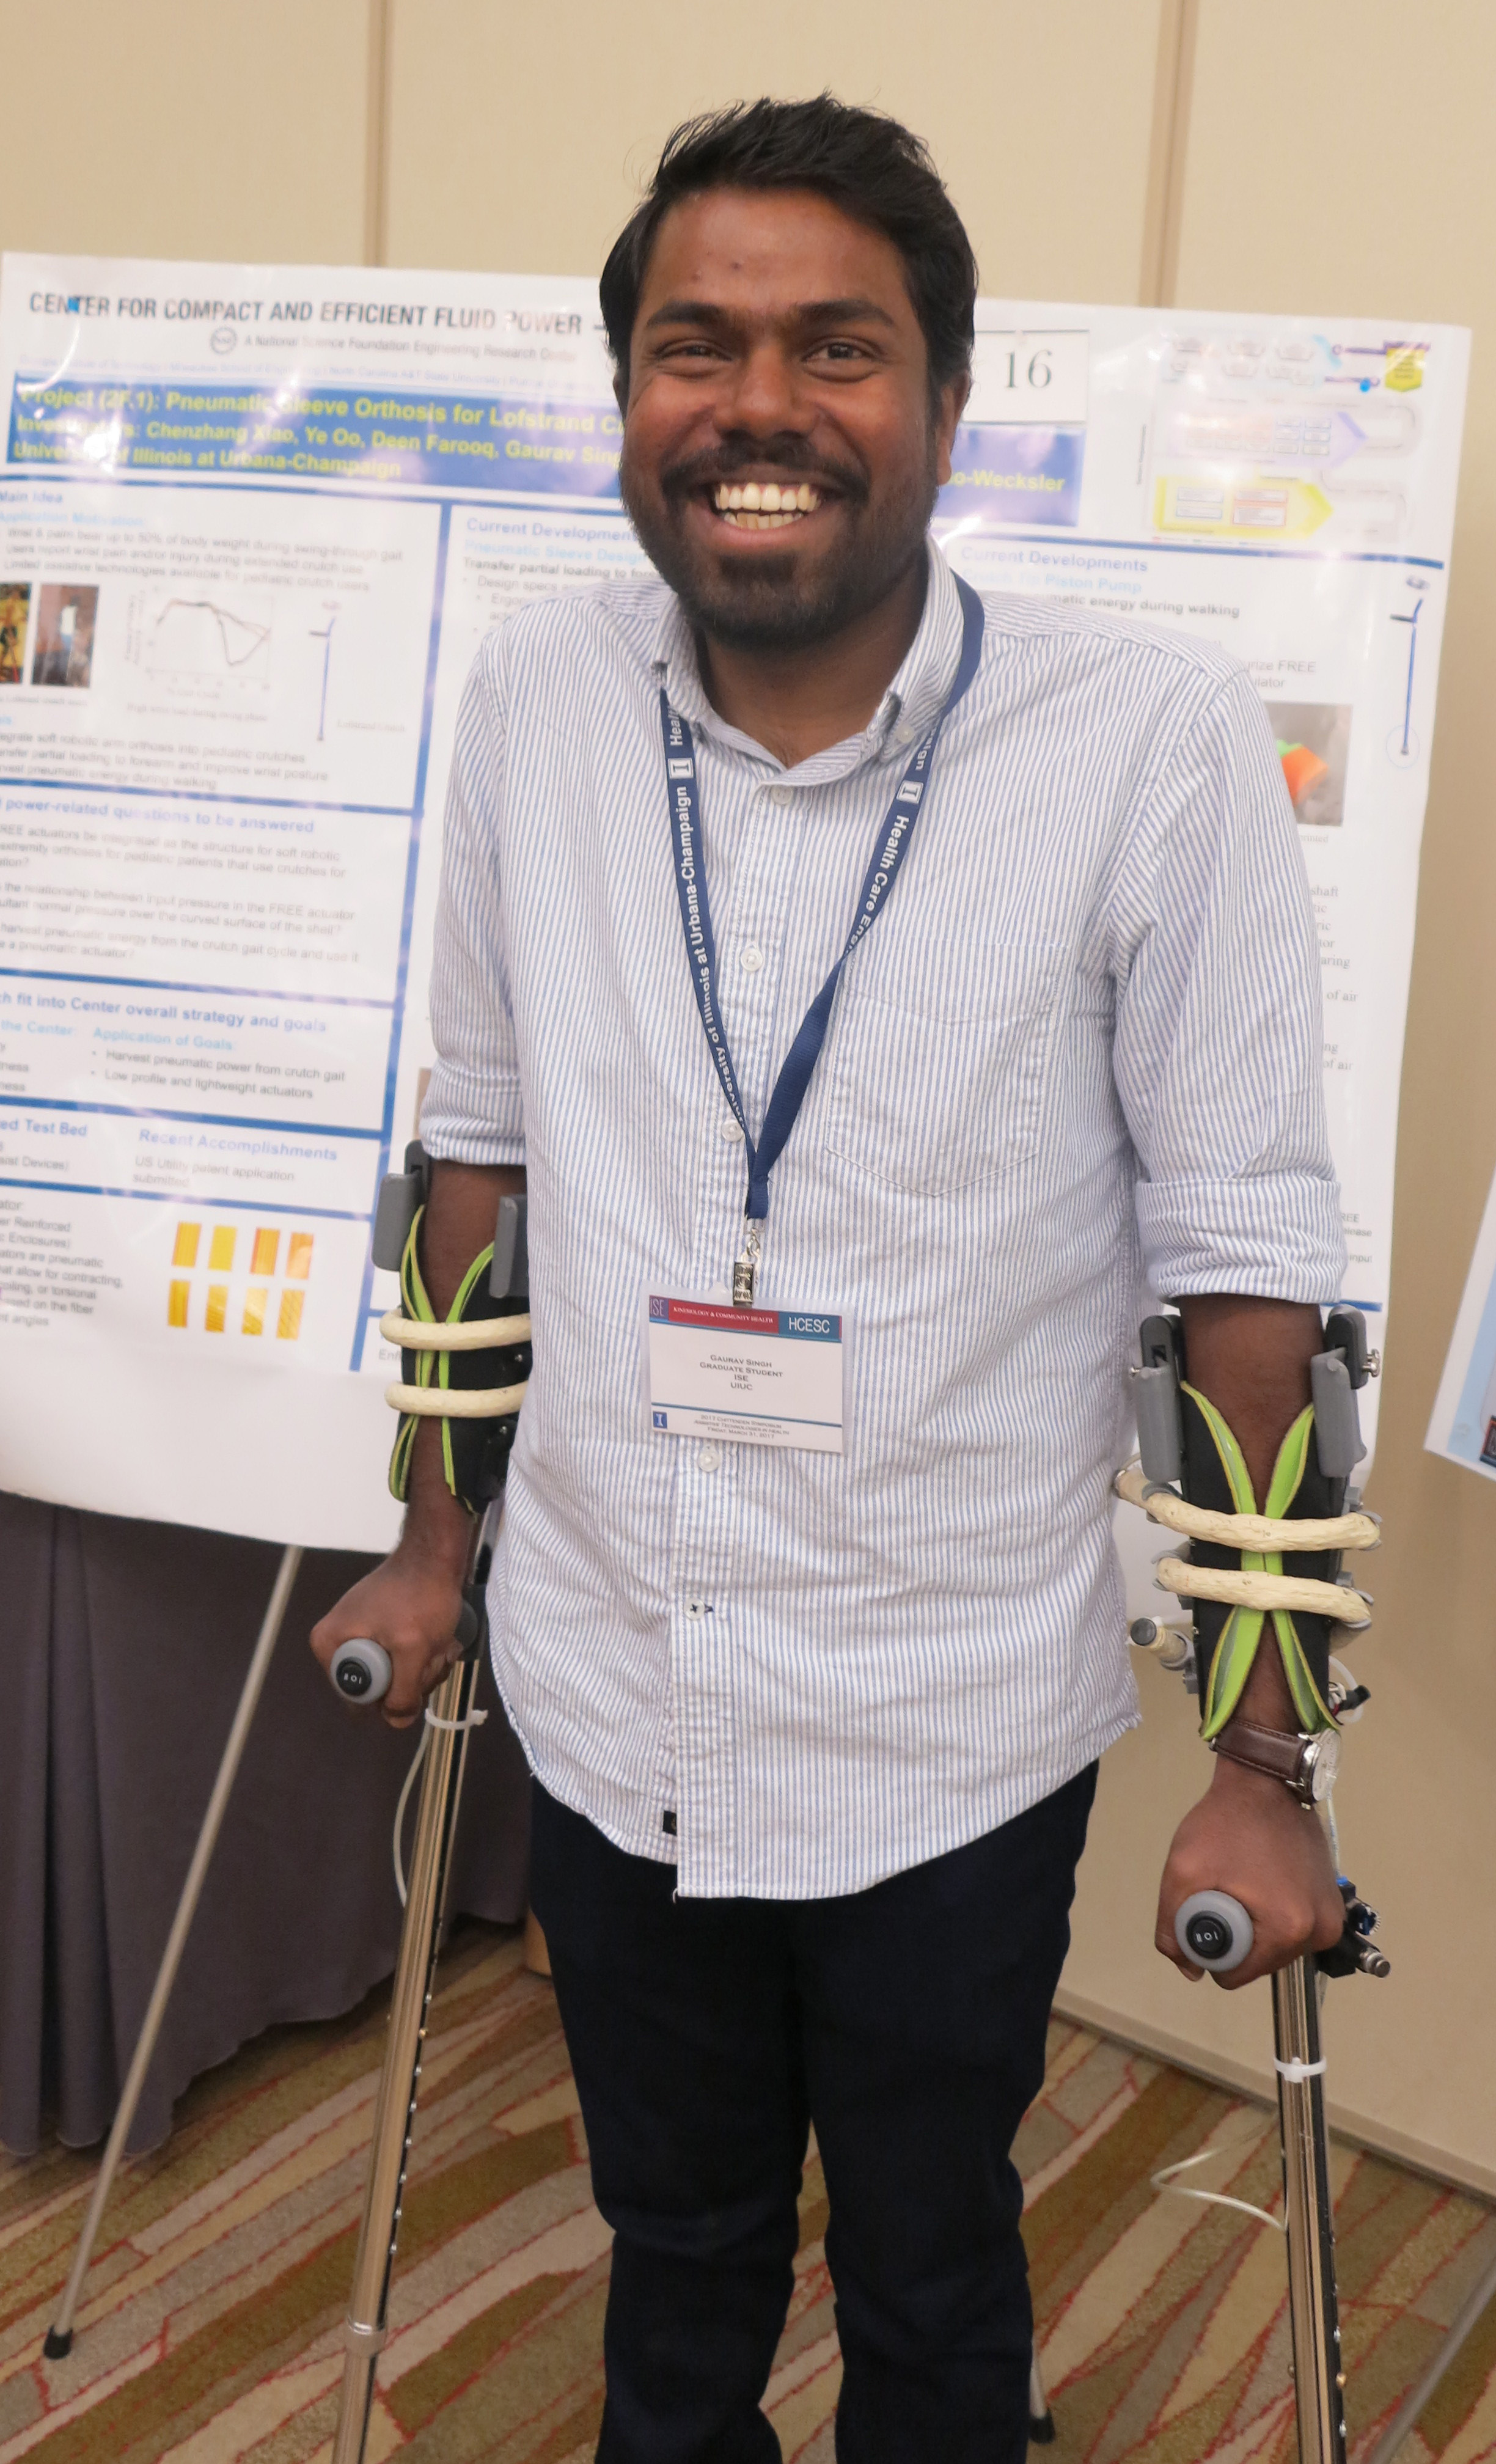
(210, 2331)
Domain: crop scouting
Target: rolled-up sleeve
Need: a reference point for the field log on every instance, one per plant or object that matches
(1219, 1043)
(472, 1112)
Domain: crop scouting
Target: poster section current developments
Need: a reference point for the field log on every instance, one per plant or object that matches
(254, 522)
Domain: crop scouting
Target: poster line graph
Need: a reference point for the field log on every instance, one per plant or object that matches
(240, 637)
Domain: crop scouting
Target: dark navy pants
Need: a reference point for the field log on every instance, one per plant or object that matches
(908, 2023)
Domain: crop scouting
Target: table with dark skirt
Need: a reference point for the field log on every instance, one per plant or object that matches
(124, 1647)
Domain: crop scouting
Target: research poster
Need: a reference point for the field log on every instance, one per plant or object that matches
(254, 522)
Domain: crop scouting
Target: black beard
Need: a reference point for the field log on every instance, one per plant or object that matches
(765, 609)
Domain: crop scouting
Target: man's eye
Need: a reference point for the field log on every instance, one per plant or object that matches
(844, 354)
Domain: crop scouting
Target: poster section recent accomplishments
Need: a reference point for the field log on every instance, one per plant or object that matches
(254, 522)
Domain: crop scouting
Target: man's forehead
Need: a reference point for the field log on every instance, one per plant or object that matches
(788, 248)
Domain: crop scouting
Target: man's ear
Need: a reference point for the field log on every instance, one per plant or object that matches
(954, 399)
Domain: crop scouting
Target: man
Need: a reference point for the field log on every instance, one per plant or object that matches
(814, 1732)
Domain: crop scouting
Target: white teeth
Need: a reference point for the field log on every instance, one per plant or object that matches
(746, 521)
(766, 507)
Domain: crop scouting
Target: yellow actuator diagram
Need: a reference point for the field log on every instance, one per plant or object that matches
(223, 1308)
(1238, 508)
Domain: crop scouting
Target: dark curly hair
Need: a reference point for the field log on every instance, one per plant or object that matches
(869, 165)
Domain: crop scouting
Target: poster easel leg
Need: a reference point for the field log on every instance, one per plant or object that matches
(60, 2335)
(1471, 2311)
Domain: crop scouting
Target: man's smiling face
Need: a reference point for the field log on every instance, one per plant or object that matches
(781, 449)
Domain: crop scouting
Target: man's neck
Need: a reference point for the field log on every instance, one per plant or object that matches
(794, 703)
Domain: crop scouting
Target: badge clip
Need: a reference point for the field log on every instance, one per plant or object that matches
(745, 1269)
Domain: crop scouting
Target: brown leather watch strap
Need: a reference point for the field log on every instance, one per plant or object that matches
(1271, 1751)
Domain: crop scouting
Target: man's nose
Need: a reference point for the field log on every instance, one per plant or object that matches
(765, 397)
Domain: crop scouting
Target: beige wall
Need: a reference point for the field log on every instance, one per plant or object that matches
(1336, 160)
(1339, 158)
(1042, 131)
(227, 128)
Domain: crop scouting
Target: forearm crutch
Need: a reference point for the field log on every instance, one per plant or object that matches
(449, 1718)
(1213, 1928)
(361, 1671)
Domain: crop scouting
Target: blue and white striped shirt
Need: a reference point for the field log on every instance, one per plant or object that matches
(1083, 1046)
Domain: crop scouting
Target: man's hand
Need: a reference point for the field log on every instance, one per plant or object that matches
(411, 1604)
(1249, 1835)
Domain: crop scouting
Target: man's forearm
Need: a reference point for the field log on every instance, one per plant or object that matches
(458, 1222)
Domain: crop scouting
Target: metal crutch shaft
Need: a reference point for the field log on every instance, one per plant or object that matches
(394, 2112)
(60, 2335)
(1314, 2309)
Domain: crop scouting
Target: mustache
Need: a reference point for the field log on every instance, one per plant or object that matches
(728, 462)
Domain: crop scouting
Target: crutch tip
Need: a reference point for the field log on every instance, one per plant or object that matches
(58, 2344)
(1041, 2429)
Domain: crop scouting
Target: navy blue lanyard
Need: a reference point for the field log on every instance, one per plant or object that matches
(690, 881)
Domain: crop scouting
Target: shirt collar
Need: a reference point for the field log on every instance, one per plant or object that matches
(911, 702)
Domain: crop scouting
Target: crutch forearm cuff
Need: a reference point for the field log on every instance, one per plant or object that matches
(1231, 1566)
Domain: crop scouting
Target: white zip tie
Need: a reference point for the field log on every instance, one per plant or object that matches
(472, 1720)
(1296, 2072)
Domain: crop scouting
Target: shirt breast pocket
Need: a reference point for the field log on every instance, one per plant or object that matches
(934, 1102)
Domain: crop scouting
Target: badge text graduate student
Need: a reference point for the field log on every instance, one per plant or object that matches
(856, 974)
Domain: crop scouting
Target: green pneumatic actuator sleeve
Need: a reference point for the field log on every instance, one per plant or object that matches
(1227, 1639)
(474, 1453)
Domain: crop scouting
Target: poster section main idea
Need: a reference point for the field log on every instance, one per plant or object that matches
(247, 557)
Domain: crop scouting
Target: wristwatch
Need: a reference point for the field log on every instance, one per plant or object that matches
(1307, 1764)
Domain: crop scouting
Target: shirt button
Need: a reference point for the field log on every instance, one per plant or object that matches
(709, 1459)
(731, 1130)
(781, 795)
(752, 959)
(695, 1607)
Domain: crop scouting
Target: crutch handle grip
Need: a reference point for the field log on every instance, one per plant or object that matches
(1213, 1930)
(360, 1670)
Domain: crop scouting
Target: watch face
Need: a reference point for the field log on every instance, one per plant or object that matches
(1322, 1761)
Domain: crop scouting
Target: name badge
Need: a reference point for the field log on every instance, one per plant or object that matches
(752, 1377)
